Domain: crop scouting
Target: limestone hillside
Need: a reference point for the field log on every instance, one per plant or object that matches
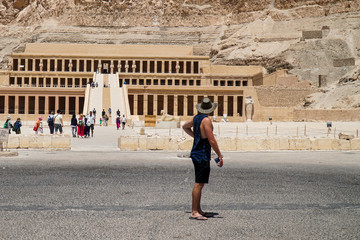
(308, 37)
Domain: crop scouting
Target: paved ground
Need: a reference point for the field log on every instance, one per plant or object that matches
(146, 195)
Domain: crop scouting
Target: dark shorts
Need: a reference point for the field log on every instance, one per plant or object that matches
(202, 171)
(58, 127)
(92, 126)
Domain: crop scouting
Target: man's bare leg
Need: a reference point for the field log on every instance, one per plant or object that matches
(196, 199)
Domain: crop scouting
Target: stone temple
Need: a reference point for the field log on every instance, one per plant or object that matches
(138, 80)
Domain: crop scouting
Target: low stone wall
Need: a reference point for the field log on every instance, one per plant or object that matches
(142, 143)
(62, 142)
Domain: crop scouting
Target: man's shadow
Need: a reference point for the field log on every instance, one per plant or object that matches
(209, 214)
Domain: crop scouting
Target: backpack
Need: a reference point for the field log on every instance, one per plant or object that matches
(50, 121)
(6, 124)
(15, 127)
(81, 122)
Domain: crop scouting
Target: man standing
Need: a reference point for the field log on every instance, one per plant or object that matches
(50, 122)
(118, 113)
(201, 129)
(94, 112)
(123, 121)
(58, 120)
(91, 121)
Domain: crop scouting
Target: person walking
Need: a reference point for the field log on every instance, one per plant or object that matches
(58, 120)
(81, 127)
(105, 120)
(86, 126)
(201, 129)
(8, 124)
(50, 122)
(17, 126)
(123, 121)
(118, 113)
(74, 125)
(38, 128)
(118, 122)
(109, 110)
(103, 113)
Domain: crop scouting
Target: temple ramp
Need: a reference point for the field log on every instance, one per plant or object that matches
(96, 95)
(119, 99)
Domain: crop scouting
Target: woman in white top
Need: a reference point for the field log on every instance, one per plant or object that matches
(123, 121)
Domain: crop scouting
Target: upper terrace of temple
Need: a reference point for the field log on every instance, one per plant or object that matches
(108, 50)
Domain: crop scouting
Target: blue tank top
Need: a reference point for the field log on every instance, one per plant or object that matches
(201, 150)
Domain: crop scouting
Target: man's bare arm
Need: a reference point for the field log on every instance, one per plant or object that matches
(210, 136)
(187, 127)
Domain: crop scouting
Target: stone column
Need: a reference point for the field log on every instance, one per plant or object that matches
(55, 64)
(26, 67)
(77, 105)
(141, 66)
(162, 66)
(155, 103)
(177, 67)
(112, 66)
(165, 103)
(225, 104)
(37, 81)
(36, 105)
(16, 105)
(145, 105)
(6, 105)
(70, 65)
(67, 105)
(33, 64)
(63, 65)
(46, 109)
(77, 64)
(185, 105)
(135, 104)
(195, 102)
(26, 104)
(41, 65)
(235, 106)
(92, 65)
(175, 105)
(99, 66)
(216, 99)
(126, 66)
(192, 67)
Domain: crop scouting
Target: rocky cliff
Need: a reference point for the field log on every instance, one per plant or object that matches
(308, 37)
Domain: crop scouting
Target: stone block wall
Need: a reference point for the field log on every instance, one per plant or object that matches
(326, 115)
(311, 34)
(49, 142)
(144, 143)
(281, 97)
(344, 62)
